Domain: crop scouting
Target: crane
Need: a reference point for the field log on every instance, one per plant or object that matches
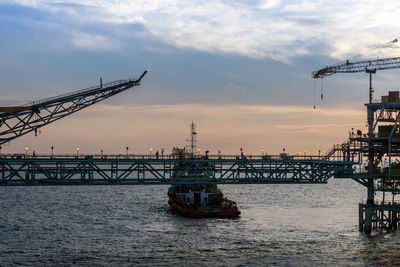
(368, 66)
(19, 120)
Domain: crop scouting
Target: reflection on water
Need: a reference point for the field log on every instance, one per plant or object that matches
(132, 225)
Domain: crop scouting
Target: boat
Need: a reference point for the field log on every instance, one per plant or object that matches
(201, 201)
(195, 193)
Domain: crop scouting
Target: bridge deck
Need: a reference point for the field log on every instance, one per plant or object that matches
(19, 169)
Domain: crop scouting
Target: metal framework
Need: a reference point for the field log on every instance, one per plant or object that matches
(380, 172)
(379, 148)
(129, 169)
(372, 159)
(368, 66)
(17, 121)
(360, 66)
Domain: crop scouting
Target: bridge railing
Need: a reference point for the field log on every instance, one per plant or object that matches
(167, 157)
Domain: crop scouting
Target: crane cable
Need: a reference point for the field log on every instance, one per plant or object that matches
(322, 89)
(314, 93)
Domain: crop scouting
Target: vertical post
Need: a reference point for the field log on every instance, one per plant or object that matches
(360, 217)
(370, 184)
(395, 126)
(90, 171)
(3, 175)
(83, 172)
(371, 90)
(32, 172)
(369, 207)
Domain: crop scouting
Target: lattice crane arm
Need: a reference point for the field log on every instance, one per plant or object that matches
(369, 66)
(20, 120)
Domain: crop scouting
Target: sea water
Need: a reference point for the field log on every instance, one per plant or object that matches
(132, 225)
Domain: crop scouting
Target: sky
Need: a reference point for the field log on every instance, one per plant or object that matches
(241, 70)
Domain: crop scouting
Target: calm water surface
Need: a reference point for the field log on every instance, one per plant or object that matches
(133, 225)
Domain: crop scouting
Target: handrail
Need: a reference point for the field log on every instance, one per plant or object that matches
(78, 92)
(168, 157)
(337, 147)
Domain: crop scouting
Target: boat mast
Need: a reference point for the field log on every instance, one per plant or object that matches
(192, 140)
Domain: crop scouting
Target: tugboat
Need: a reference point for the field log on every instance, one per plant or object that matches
(190, 197)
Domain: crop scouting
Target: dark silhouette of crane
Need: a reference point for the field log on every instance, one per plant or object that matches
(368, 66)
(19, 120)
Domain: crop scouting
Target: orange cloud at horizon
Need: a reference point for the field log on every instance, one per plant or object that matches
(220, 127)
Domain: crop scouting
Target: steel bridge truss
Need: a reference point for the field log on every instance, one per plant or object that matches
(30, 117)
(101, 170)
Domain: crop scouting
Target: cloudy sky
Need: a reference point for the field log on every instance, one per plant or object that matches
(240, 69)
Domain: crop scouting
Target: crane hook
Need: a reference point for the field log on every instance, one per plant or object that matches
(322, 90)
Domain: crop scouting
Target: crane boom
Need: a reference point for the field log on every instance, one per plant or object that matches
(20, 120)
(360, 66)
(368, 66)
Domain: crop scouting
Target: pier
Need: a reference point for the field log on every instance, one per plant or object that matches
(367, 158)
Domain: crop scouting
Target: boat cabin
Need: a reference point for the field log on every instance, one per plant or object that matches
(197, 195)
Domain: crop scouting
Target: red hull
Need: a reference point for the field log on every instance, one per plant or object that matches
(187, 210)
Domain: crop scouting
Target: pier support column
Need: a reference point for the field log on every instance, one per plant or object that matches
(369, 209)
(3, 173)
(395, 220)
(360, 217)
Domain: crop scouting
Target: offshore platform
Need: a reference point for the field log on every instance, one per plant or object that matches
(368, 158)
(379, 147)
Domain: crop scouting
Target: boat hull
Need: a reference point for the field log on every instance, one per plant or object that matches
(185, 209)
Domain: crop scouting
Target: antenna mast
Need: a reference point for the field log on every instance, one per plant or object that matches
(192, 140)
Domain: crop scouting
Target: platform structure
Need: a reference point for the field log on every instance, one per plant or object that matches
(380, 147)
(380, 171)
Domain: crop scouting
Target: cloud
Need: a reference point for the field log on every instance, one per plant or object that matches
(268, 4)
(93, 41)
(279, 30)
(224, 127)
(234, 111)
